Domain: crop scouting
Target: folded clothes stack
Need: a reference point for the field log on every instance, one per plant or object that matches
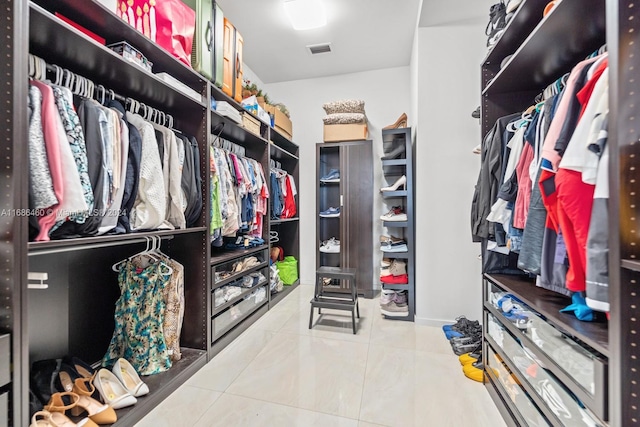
(348, 111)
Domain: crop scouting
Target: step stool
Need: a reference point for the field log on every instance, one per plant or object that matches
(336, 301)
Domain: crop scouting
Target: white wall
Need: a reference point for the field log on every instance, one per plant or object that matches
(386, 94)
(448, 271)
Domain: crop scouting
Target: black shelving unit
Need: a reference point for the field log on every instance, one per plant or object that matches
(353, 195)
(392, 170)
(543, 50)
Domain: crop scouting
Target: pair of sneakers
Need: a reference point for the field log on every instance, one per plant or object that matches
(331, 246)
(394, 303)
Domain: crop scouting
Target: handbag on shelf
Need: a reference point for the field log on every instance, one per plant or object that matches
(169, 23)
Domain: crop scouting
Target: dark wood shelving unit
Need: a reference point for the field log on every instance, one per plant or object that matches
(552, 48)
(525, 19)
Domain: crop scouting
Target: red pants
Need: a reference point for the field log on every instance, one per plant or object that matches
(575, 200)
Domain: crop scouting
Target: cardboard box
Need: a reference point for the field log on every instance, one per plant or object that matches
(281, 122)
(350, 132)
(251, 123)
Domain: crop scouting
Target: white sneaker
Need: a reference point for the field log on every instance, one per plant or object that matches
(331, 246)
(394, 214)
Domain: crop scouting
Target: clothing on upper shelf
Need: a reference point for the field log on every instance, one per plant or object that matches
(283, 202)
(541, 189)
(96, 169)
(239, 194)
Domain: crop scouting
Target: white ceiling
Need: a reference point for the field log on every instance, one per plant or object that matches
(364, 35)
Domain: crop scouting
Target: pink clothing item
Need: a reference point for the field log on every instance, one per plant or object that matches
(575, 202)
(521, 208)
(52, 143)
(548, 148)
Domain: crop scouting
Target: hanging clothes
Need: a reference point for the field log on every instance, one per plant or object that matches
(139, 318)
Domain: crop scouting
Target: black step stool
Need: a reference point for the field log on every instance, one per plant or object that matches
(336, 301)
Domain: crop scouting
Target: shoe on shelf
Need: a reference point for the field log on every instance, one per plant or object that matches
(126, 373)
(473, 373)
(392, 309)
(391, 241)
(400, 123)
(330, 213)
(402, 279)
(112, 390)
(96, 411)
(331, 246)
(395, 153)
(402, 181)
(395, 214)
(386, 296)
(398, 268)
(57, 419)
(332, 176)
(386, 262)
(83, 369)
(395, 248)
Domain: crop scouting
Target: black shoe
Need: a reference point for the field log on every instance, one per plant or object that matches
(395, 153)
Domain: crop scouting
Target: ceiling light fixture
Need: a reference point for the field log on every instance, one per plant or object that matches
(306, 14)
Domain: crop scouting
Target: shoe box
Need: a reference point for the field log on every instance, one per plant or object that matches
(345, 132)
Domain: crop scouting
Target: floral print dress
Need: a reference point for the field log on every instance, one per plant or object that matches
(139, 316)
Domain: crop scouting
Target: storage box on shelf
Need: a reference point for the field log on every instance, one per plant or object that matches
(345, 132)
(231, 316)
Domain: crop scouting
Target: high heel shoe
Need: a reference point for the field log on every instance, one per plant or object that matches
(395, 153)
(69, 381)
(400, 123)
(402, 181)
(82, 368)
(57, 408)
(112, 391)
(129, 378)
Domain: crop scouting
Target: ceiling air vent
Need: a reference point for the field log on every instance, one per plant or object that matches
(319, 48)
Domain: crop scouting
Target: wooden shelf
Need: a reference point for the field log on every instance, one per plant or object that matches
(81, 243)
(283, 221)
(524, 21)
(283, 142)
(235, 133)
(162, 385)
(549, 304)
(280, 153)
(390, 194)
(94, 16)
(394, 162)
(553, 48)
(630, 264)
(223, 255)
(58, 43)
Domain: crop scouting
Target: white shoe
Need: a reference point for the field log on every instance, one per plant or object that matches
(402, 181)
(126, 373)
(331, 246)
(112, 391)
(395, 214)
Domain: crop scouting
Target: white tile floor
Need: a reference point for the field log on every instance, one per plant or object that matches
(280, 373)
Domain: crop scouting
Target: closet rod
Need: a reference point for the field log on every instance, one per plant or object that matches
(81, 247)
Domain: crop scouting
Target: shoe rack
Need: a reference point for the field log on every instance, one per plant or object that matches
(606, 383)
(352, 193)
(393, 141)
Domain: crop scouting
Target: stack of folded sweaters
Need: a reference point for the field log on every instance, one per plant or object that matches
(347, 111)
